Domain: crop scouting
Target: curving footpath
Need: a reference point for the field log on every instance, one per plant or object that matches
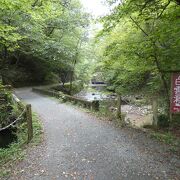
(79, 146)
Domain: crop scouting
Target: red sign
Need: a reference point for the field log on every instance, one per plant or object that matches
(175, 98)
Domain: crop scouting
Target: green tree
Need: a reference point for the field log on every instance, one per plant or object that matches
(140, 42)
(42, 32)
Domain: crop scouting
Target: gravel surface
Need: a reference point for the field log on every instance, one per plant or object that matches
(79, 146)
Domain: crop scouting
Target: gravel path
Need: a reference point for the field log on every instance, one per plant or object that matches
(79, 146)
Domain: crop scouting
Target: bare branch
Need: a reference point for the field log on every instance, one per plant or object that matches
(164, 9)
(139, 26)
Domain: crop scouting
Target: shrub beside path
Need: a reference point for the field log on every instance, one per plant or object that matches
(79, 146)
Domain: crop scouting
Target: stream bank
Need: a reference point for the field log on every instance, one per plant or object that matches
(137, 114)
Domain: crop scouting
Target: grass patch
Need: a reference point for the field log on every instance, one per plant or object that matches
(167, 138)
(16, 151)
(101, 114)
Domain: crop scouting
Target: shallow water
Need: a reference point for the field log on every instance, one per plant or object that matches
(136, 116)
(90, 96)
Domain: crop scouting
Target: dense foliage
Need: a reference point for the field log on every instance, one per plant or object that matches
(44, 40)
(140, 42)
(40, 39)
(7, 114)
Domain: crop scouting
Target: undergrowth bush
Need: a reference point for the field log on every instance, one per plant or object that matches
(163, 121)
(16, 150)
(6, 107)
(77, 87)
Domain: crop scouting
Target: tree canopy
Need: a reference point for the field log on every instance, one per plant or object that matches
(140, 42)
(41, 31)
(138, 46)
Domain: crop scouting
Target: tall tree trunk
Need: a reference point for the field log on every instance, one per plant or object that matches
(74, 64)
(163, 79)
(71, 82)
(4, 63)
(155, 111)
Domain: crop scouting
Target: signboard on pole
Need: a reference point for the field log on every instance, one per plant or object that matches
(175, 94)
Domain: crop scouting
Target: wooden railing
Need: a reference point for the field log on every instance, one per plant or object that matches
(26, 114)
(26, 108)
(94, 105)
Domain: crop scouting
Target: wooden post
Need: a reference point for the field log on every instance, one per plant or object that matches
(155, 111)
(171, 97)
(108, 106)
(29, 122)
(119, 114)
